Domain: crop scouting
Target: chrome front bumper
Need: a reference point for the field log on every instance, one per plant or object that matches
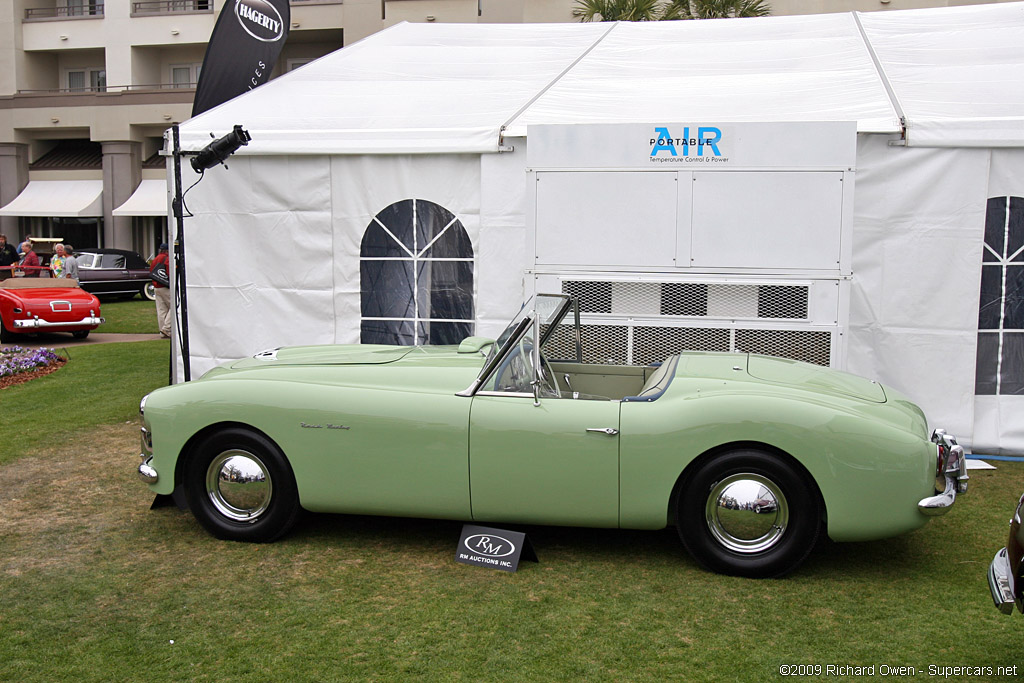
(39, 323)
(147, 472)
(999, 582)
(952, 467)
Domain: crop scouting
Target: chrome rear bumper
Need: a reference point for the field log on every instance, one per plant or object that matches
(39, 323)
(952, 467)
(999, 582)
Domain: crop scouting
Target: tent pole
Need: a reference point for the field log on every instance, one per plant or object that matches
(179, 258)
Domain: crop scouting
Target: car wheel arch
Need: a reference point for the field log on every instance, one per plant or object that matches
(696, 463)
(188, 450)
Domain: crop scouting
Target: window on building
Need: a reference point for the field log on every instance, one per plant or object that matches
(1000, 364)
(416, 273)
(293, 64)
(92, 79)
(185, 75)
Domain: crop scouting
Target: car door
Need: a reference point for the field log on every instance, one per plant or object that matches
(552, 463)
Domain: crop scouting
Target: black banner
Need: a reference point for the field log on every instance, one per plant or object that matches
(245, 43)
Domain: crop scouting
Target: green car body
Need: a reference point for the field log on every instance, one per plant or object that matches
(394, 431)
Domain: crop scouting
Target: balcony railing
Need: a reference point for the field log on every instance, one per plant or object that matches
(99, 89)
(91, 9)
(170, 6)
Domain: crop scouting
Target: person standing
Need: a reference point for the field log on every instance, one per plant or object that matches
(57, 261)
(70, 263)
(29, 260)
(163, 294)
(8, 257)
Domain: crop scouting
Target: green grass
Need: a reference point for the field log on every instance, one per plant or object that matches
(129, 316)
(95, 586)
(100, 385)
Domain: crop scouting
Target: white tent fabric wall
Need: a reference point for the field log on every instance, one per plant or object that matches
(258, 262)
(916, 257)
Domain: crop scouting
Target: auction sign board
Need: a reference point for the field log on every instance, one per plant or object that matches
(493, 548)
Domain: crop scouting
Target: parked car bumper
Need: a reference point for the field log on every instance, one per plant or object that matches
(951, 469)
(1000, 579)
(40, 324)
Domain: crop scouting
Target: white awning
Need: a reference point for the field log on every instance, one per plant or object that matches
(58, 198)
(149, 199)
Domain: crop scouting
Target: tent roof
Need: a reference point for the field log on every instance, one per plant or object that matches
(954, 75)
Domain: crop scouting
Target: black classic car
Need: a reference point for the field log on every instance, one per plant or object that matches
(114, 272)
(1006, 573)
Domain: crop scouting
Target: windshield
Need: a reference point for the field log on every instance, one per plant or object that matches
(549, 308)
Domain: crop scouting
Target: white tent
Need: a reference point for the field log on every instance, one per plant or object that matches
(442, 113)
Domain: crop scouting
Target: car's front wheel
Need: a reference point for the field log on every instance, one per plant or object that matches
(240, 487)
(80, 334)
(748, 513)
(148, 292)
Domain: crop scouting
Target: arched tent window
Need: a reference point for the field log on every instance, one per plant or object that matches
(416, 274)
(1000, 368)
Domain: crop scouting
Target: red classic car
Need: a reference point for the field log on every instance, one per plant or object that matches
(42, 304)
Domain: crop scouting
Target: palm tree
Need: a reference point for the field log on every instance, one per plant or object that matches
(618, 10)
(718, 9)
(659, 10)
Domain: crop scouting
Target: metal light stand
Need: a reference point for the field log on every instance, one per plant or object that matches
(179, 258)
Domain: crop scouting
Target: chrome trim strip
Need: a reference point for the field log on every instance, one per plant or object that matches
(999, 582)
(38, 323)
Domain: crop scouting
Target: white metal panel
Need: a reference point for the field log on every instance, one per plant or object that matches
(778, 220)
(622, 219)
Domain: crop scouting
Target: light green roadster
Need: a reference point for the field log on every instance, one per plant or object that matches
(749, 457)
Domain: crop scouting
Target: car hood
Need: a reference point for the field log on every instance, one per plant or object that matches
(334, 354)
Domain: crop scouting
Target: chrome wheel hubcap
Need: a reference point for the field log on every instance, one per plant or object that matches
(746, 513)
(239, 485)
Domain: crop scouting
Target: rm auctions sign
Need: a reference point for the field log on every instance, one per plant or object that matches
(493, 548)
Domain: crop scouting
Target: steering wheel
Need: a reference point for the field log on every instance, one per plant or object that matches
(514, 374)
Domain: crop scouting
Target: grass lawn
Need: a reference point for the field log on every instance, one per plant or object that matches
(97, 587)
(128, 316)
(100, 385)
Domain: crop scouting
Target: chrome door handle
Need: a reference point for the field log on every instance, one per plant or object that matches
(610, 431)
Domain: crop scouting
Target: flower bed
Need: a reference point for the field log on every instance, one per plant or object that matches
(18, 364)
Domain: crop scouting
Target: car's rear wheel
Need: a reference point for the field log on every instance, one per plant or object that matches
(80, 334)
(748, 513)
(6, 336)
(240, 487)
(148, 292)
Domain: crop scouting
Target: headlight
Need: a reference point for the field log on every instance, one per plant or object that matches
(142, 406)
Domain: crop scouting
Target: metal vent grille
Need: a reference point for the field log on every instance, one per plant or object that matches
(642, 345)
(604, 344)
(654, 344)
(691, 299)
(808, 346)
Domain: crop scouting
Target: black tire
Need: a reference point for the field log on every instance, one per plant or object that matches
(5, 336)
(260, 508)
(80, 334)
(718, 524)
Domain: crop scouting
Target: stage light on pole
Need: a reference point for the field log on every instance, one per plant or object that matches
(219, 150)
